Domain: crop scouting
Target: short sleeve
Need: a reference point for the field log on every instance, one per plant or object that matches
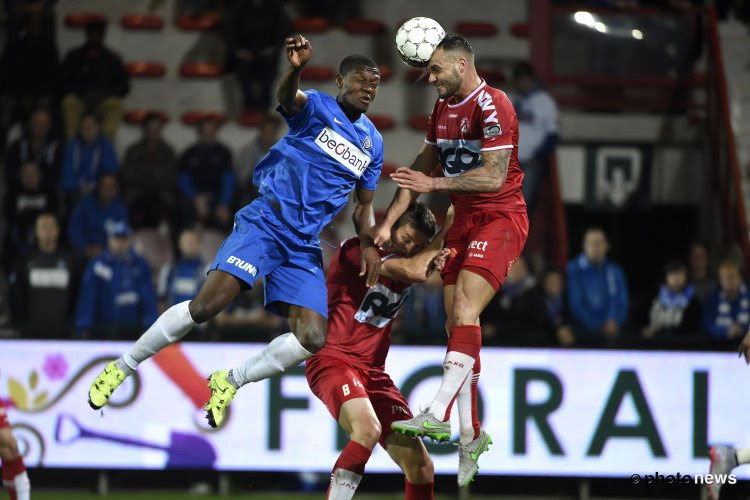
(350, 254)
(301, 117)
(499, 122)
(431, 137)
(369, 179)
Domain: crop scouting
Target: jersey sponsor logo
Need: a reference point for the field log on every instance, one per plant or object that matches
(492, 131)
(241, 264)
(484, 99)
(458, 156)
(380, 306)
(479, 245)
(343, 151)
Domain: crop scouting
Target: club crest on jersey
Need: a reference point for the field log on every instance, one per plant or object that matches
(492, 131)
(367, 143)
(464, 126)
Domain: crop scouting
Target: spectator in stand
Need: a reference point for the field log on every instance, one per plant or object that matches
(676, 310)
(181, 281)
(558, 323)
(38, 145)
(726, 310)
(91, 218)
(149, 176)
(117, 297)
(23, 205)
(206, 178)
(517, 314)
(28, 65)
(43, 285)
(251, 154)
(254, 32)
(93, 78)
(702, 276)
(597, 291)
(538, 129)
(87, 156)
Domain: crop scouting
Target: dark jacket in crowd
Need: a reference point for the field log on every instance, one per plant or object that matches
(95, 72)
(89, 221)
(256, 25)
(48, 157)
(181, 281)
(719, 312)
(596, 293)
(675, 313)
(83, 163)
(22, 206)
(519, 313)
(207, 169)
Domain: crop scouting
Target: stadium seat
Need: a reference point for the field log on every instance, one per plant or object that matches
(418, 122)
(317, 74)
(476, 28)
(416, 76)
(193, 117)
(382, 122)
(364, 26)
(311, 25)
(81, 19)
(250, 118)
(385, 73)
(520, 30)
(148, 22)
(146, 69)
(198, 23)
(154, 247)
(136, 116)
(492, 76)
(201, 70)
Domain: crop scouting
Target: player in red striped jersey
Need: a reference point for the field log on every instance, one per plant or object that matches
(473, 134)
(15, 479)
(348, 373)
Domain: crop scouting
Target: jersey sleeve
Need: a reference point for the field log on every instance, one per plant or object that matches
(431, 137)
(369, 179)
(499, 122)
(301, 117)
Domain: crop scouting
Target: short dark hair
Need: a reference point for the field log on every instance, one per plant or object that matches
(454, 41)
(356, 61)
(675, 265)
(419, 217)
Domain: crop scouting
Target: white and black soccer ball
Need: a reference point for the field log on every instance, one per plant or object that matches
(416, 39)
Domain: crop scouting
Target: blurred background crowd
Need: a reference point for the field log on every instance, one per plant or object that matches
(103, 231)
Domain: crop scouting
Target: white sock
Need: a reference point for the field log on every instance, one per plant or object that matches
(171, 326)
(281, 353)
(22, 486)
(743, 456)
(463, 401)
(343, 484)
(456, 368)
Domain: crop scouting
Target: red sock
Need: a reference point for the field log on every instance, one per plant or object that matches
(12, 468)
(466, 339)
(474, 412)
(353, 457)
(419, 491)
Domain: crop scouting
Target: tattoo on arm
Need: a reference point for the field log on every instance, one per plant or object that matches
(487, 178)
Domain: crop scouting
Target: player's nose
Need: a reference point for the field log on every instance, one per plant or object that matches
(431, 78)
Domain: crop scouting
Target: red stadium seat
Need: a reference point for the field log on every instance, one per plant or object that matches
(364, 26)
(385, 73)
(251, 118)
(311, 25)
(136, 116)
(81, 19)
(418, 122)
(148, 22)
(492, 76)
(476, 28)
(416, 75)
(317, 74)
(194, 117)
(198, 23)
(520, 30)
(382, 122)
(146, 69)
(201, 70)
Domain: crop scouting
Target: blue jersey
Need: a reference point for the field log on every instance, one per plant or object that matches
(311, 171)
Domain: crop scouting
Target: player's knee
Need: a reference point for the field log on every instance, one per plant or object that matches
(367, 434)
(417, 466)
(312, 336)
(199, 310)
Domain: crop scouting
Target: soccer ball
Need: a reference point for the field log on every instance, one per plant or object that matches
(416, 39)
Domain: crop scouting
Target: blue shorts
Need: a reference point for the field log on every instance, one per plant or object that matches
(262, 246)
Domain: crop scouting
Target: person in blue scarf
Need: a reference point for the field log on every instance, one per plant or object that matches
(676, 308)
(597, 290)
(726, 311)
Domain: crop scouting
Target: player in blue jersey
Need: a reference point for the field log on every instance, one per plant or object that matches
(305, 179)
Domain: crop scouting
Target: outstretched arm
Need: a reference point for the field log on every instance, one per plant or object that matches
(423, 163)
(489, 177)
(364, 219)
(298, 52)
(418, 267)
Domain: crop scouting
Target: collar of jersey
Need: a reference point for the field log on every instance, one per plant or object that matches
(468, 97)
